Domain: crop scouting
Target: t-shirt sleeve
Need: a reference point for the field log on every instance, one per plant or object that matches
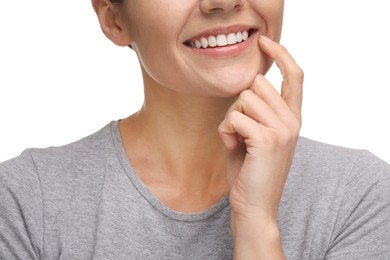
(21, 209)
(363, 227)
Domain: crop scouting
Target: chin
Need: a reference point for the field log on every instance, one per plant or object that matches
(233, 84)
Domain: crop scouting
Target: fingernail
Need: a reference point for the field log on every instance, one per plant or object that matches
(266, 39)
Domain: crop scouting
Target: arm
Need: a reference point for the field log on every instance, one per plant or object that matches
(21, 210)
(362, 229)
(256, 238)
(260, 132)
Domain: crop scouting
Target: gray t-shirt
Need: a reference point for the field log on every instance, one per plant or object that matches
(84, 201)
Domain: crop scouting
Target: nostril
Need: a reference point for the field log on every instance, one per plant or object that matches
(237, 6)
(214, 10)
(220, 6)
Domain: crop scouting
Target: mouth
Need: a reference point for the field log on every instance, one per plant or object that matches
(220, 40)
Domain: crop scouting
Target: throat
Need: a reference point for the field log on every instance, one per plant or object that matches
(184, 172)
(184, 185)
(181, 199)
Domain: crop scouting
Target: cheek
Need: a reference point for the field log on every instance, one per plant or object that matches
(156, 63)
(168, 67)
(155, 48)
(154, 28)
(165, 64)
(272, 13)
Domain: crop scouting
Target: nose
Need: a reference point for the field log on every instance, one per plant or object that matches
(222, 6)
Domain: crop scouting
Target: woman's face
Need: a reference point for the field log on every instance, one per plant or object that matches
(166, 35)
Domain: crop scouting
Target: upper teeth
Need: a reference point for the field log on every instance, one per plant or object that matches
(220, 40)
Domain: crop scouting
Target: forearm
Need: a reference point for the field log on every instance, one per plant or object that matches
(256, 238)
(260, 132)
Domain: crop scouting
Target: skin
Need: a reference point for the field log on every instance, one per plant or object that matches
(218, 113)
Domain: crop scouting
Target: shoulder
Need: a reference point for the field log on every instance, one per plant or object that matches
(65, 168)
(59, 161)
(36, 187)
(338, 161)
(90, 147)
(21, 209)
(37, 170)
(332, 173)
(336, 200)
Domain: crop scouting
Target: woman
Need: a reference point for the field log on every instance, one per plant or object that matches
(211, 167)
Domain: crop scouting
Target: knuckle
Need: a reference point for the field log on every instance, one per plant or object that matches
(232, 116)
(295, 125)
(244, 98)
(271, 139)
(282, 50)
(259, 79)
(298, 73)
(244, 95)
(258, 84)
(221, 128)
(285, 136)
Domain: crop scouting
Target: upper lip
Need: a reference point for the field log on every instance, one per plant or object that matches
(222, 30)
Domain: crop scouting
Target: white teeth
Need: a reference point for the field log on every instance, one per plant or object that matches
(212, 41)
(204, 42)
(231, 38)
(244, 35)
(239, 37)
(198, 44)
(220, 40)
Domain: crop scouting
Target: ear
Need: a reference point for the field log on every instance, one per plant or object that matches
(110, 22)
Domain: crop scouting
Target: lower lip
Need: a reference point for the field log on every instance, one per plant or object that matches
(226, 51)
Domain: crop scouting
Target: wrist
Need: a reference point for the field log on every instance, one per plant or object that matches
(256, 237)
(252, 226)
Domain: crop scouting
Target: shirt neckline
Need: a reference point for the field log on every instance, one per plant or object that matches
(149, 196)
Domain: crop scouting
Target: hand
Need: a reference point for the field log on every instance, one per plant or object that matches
(260, 132)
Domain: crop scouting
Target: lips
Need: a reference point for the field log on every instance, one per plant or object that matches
(220, 39)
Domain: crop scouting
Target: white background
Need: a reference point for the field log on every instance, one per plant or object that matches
(61, 79)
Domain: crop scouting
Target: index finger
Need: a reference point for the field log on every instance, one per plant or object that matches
(292, 85)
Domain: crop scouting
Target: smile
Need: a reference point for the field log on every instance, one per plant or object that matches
(220, 40)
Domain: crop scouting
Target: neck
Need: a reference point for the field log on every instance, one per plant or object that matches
(180, 126)
(175, 137)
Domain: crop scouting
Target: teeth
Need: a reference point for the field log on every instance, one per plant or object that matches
(232, 38)
(204, 42)
(212, 41)
(220, 40)
(244, 35)
(239, 37)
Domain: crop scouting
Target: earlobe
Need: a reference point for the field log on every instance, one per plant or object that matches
(110, 22)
